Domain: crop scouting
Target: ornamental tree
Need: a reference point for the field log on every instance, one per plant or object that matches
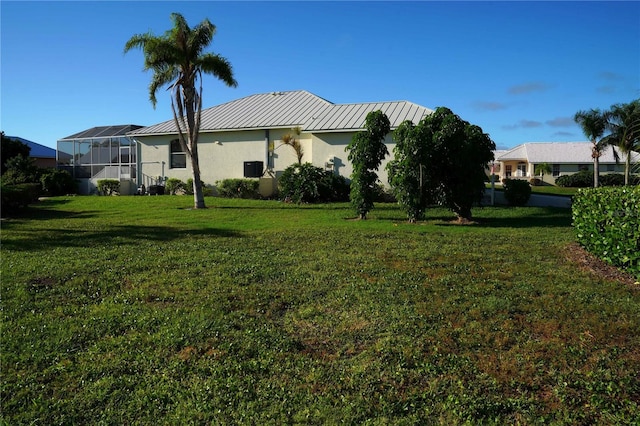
(443, 160)
(408, 177)
(366, 152)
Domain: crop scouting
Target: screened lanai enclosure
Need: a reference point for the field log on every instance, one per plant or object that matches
(100, 153)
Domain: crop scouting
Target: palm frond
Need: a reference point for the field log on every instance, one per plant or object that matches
(217, 66)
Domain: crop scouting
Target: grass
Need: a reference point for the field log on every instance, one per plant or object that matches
(547, 190)
(138, 310)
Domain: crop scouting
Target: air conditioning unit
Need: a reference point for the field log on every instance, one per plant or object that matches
(253, 169)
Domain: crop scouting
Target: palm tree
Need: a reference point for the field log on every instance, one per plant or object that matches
(177, 59)
(541, 169)
(593, 124)
(624, 124)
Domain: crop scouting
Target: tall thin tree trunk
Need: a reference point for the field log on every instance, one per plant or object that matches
(596, 170)
(198, 196)
(627, 168)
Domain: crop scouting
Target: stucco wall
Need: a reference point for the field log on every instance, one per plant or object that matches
(332, 145)
(222, 155)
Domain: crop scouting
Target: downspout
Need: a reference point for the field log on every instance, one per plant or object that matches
(267, 162)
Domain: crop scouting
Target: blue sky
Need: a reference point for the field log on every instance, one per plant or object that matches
(519, 70)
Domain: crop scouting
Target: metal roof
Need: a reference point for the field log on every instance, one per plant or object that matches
(289, 109)
(560, 152)
(37, 150)
(103, 132)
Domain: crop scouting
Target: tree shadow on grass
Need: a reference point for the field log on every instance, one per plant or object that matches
(541, 217)
(111, 235)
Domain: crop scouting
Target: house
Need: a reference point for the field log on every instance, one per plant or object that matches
(43, 156)
(103, 152)
(243, 138)
(564, 158)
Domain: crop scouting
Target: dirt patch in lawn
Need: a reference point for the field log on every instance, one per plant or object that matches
(587, 261)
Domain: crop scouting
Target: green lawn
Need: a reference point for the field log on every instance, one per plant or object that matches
(139, 310)
(546, 190)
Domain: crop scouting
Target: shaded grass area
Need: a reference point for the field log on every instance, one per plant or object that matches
(138, 310)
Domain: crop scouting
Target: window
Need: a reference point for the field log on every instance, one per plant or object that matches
(522, 169)
(556, 170)
(610, 167)
(178, 156)
(583, 167)
(507, 170)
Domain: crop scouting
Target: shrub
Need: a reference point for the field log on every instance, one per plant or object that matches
(206, 190)
(607, 224)
(582, 179)
(238, 188)
(58, 182)
(174, 186)
(306, 183)
(17, 197)
(384, 195)
(535, 181)
(109, 187)
(517, 192)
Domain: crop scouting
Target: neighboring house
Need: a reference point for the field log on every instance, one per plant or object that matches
(243, 138)
(100, 153)
(564, 158)
(43, 156)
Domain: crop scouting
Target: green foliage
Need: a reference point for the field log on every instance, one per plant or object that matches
(109, 187)
(607, 223)
(582, 179)
(408, 178)
(294, 143)
(442, 159)
(11, 148)
(206, 190)
(174, 186)
(20, 169)
(306, 183)
(17, 197)
(238, 188)
(58, 182)
(366, 152)
(517, 192)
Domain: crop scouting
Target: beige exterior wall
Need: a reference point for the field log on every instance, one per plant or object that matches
(564, 169)
(332, 146)
(222, 155)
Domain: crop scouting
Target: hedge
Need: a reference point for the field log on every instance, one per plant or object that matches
(517, 192)
(17, 197)
(607, 224)
(238, 188)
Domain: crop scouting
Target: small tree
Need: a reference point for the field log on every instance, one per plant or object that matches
(459, 154)
(407, 174)
(624, 124)
(294, 143)
(11, 148)
(541, 169)
(366, 152)
(593, 124)
(442, 159)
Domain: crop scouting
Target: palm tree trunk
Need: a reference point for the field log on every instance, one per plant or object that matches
(189, 93)
(198, 196)
(596, 171)
(627, 168)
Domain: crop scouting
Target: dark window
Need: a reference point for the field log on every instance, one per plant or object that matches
(556, 170)
(178, 156)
